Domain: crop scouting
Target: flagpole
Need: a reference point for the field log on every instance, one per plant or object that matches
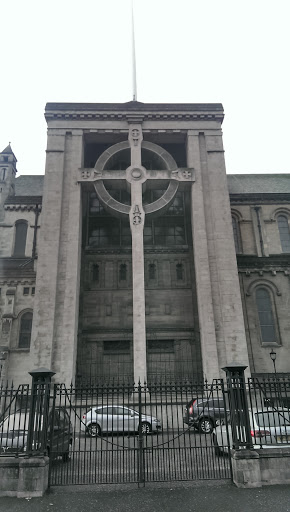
(133, 57)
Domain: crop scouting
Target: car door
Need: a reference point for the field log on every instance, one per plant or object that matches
(127, 419)
(105, 418)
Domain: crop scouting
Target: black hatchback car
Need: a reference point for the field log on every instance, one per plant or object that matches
(205, 414)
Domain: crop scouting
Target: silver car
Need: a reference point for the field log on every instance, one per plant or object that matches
(117, 418)
(269, 429)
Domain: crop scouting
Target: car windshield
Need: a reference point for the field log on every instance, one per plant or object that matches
(272, 419)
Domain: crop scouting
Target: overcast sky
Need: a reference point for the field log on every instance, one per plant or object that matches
(228, 51)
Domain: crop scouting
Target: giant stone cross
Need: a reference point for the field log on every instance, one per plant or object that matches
(136, 176)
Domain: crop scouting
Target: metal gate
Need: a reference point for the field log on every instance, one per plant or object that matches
(124, 433)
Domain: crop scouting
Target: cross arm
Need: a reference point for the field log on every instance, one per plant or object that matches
(88, 174)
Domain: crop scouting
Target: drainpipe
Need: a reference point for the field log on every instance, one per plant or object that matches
(257, 210)
(37, 211)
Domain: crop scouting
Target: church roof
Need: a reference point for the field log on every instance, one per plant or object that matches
(259, 183)
(7, 150)
(32, 185)
(29, 185)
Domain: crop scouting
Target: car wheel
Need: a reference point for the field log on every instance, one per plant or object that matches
(217, 449)
(145, 428)
(94, 430)
(205, 426)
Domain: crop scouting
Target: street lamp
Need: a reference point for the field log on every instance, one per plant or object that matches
(273, 357)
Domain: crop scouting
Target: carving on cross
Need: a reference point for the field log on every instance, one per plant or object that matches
(136, 176)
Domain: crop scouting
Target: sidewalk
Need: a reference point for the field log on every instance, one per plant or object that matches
(188, 497)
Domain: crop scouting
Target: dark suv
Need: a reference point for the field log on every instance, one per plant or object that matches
(14, 430)
(205, 413)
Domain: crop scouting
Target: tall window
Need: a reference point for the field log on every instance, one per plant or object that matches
(96, 273)
(25, 330)
(105, 230)
(179, 272)
(284, 232)
(152, 271)
(169, 229)
(266, 316)
(237, 234)
(20, 238)
(123, 272)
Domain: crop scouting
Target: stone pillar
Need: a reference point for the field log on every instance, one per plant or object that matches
(227, 287)
(201, 261)
(39, 410)
(246, 468)
(54, 332)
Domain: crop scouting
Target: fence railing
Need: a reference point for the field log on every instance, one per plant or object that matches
(257, 411)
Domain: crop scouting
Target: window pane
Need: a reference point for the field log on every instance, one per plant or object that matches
(25, 330)
(284, 233)
(266, 317)
(237, 235)
(20, 238)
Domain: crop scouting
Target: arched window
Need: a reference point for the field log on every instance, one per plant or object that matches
(96, 273)
(25, 330)
(2, 174)
(266, 316)
(179, 272)
(284, 232)
(123, 272)
(237, 234)
(152, 271)
(20, 238)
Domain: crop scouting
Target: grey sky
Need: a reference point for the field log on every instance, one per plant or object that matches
(236, 53)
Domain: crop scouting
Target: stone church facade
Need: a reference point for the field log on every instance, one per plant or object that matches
(136, 256)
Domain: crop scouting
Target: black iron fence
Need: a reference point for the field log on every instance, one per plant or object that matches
(144, 433)
(136, 434)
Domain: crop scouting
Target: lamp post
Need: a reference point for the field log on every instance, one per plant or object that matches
(273, 357)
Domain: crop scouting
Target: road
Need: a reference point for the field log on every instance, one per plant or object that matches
(178, 497)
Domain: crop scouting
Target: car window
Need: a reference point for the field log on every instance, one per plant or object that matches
(14, 422)
(121, 411)
(108, 411)
(218, 404)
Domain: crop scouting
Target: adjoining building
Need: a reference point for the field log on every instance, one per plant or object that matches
(136, 256)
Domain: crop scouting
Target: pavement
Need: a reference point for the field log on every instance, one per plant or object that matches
(222, 496)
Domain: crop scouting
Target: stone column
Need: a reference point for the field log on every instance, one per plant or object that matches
(48, 252)
(231, 337)
(67, 314)
(201, 261)
(56, 313)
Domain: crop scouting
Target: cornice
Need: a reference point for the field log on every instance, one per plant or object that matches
(16, 281)
(261, 198)
(22, 207)
(135, 110)
(147, 250)
(252, 261)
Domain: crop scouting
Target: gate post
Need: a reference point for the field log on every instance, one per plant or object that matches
(33, 469)
(240, 422)
(39, 409)
(245, 462)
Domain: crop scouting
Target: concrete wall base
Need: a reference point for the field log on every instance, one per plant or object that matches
(23, 477)
(256, 468)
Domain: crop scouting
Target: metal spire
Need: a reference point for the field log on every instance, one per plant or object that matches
(133, 58)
